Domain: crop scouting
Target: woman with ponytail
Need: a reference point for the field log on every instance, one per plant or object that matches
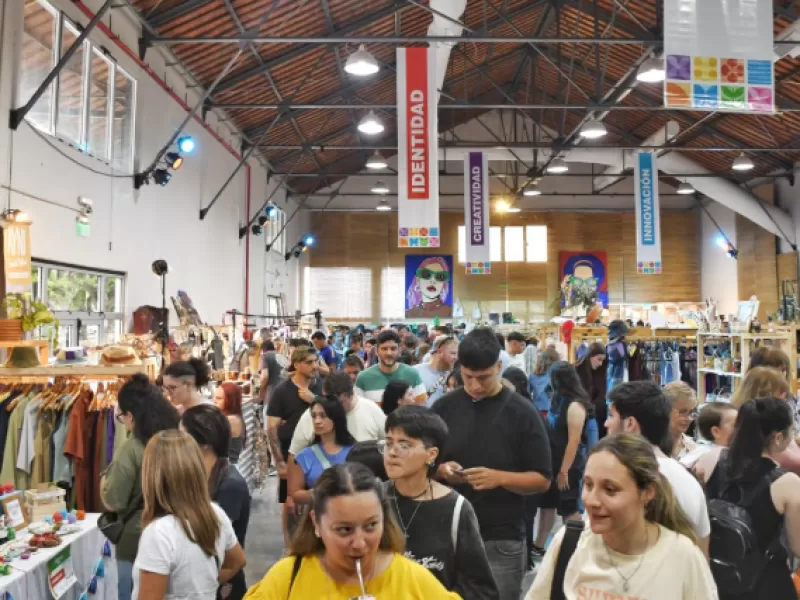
(639, 543)
(749, 469)
(211, 429)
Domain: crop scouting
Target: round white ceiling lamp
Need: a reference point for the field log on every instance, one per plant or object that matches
(361, 63)
(376, 161)
(685, 189)
(557, 165)
(651, 71)
(512, 208)
(593, 130)
(383, 206)
(380, 188)
(742, 163)
(531, 190)
(370, 124)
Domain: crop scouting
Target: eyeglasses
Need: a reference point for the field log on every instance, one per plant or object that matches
(401, 449)
(691, 413)
(440, 276)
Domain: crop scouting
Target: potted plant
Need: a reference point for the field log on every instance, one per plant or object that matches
(28, 313)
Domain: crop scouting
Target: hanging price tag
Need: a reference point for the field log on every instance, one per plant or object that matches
(60, 573)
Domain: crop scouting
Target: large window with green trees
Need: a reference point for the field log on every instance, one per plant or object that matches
(87, 302)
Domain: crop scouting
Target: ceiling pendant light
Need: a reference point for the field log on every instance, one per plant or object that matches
(651, 71)
(531, 190)
(558, 165)
(513, 208)
(370, 124)
(593, 129)
(685, 189)
(742, 163)
(361, 63)
(380, 188)
(376, 161)
(383, 206)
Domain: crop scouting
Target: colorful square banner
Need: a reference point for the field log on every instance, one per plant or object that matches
(716, 58)
(648, 215)
(476, 214)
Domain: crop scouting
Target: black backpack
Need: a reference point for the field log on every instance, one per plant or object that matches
(737, 561)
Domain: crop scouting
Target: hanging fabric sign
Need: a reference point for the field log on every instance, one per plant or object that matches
(648, 215)
(17, 256)
(417, 149)
(718, 55)
(476, 214)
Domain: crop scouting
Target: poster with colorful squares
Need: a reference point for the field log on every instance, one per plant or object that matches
(716, 59)
(479, 268)
(419, 237)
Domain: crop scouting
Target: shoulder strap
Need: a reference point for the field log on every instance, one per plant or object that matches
(323, 460)
(568, 544)
(456, 520)
(298, 561)
(438, 384)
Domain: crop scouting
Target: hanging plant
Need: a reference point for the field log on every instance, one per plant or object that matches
(32, 313)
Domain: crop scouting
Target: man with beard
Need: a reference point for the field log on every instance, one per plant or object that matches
(371, 382)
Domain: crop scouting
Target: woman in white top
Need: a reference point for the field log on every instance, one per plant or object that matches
(639, 544)
(188, 546)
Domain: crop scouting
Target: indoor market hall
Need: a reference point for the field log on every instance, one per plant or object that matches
(399, 299)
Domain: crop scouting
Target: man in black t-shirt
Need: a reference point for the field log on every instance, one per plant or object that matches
(497, 453)
(287, 404)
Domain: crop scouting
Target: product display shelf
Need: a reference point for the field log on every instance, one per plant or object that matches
(742, 347)
(42, 346)
(95, 372)
(600, 334)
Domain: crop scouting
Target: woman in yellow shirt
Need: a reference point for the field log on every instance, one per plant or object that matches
(350, 526)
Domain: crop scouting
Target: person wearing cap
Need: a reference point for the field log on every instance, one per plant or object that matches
(616, 353)
(444, 355)
(289, 401)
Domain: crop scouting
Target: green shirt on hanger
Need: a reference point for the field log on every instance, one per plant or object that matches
(9, 472)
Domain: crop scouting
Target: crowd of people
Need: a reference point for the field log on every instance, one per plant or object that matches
(417, 469)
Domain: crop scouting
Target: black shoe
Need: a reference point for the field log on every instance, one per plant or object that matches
(536, 555)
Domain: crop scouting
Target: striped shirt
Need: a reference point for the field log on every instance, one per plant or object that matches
(371, 382)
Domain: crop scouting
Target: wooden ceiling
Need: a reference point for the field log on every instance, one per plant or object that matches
(477, 72)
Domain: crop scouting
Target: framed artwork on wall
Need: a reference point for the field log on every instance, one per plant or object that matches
(585, 273)
(429, 286)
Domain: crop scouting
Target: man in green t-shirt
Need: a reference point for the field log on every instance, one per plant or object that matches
(371, 382)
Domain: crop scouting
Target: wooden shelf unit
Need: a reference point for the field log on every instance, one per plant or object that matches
(742, 345)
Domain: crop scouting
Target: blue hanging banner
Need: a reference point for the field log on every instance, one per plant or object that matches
(648, 215)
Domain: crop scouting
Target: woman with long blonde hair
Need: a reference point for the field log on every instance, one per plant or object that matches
(188, 546)
(639, 543)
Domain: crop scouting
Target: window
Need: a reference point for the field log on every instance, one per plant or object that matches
(495, 244)
(273, 227)
(393, 293)
(89, 304)
(536, 247)
(515, 244)
(92, 101)
(339, 292)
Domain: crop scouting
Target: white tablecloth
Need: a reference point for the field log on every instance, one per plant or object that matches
(29, 578)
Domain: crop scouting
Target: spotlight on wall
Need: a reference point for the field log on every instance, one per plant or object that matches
(186, 144)
(257, 229)
(271, 210)
(174, 160)
(162, 176)
(309, 240)
(721, 241)
(732, 252)
(263, 220)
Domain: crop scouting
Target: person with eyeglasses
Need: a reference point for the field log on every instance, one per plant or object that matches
(427, 296)
(441, 529)
(143, 411)
(684, 411)
(641, 407)
(183, 381)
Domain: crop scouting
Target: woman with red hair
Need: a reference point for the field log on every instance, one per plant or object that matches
(228, 399)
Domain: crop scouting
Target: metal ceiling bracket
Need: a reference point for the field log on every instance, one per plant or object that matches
(18, 114)
(145, 42)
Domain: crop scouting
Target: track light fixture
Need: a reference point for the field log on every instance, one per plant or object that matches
(271, 210)
(161, 176)
(263, 220)
(303, 245)
(174, 160)
(186, 144)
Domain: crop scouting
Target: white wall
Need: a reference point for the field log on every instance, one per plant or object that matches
(788, 198)
(719, 278)
(132, 228)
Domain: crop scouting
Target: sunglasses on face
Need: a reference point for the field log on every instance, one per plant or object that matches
(440, 276)
(579, 283)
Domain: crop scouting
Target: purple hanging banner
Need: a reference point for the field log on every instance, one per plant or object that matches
(476, 214)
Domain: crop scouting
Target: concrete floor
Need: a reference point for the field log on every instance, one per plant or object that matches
(264, 544)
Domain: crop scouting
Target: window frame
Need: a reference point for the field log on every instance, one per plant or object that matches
(277, 243)
(89, 49)
(71, 319)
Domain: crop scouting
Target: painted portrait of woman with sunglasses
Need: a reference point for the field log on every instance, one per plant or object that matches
(429, 288)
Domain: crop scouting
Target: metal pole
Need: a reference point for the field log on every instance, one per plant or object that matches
(445, 39)
(18, 114)
(488, 146)
(140, 177)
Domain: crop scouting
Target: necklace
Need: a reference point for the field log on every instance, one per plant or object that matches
(403, 526)
(625, 585)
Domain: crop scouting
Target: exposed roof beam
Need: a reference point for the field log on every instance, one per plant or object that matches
(176, 11)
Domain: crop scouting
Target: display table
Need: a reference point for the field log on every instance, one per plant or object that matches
(29, 578)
